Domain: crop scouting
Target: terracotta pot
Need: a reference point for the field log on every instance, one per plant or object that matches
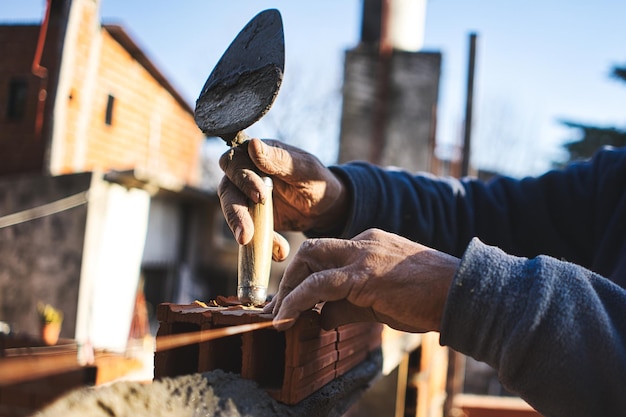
(50, 333)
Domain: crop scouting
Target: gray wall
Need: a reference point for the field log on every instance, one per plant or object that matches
(40, 260)
(409, 108)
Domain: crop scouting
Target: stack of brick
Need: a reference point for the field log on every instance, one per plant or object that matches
(289, 365)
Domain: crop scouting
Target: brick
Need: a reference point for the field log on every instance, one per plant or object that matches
(236, 315)
(312, 355)
(263, 352)
(300, 389)
(349, 347)
(350, 362)
(320, 362)
(349, 331)
(300, 350)
(288, 365)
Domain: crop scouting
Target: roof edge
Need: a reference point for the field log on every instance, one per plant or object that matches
(123, 38)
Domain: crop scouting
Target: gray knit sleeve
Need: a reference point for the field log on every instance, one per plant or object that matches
(550, 328)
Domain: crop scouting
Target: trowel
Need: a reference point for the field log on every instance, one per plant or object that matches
(240, 90)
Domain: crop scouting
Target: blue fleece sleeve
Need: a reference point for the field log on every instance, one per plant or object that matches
(552, 330)
(429, 210)
(549, 214)
(574, 214)
(526, 300)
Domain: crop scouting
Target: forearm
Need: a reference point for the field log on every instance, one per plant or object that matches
(421, 208)
(550, 328)
(546, 215)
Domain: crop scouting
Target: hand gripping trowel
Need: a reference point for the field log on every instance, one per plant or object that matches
(239, 91)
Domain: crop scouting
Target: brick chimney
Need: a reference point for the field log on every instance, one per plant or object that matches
(390, 90)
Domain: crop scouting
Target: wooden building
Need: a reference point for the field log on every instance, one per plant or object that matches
(79, 96)
(90, 124)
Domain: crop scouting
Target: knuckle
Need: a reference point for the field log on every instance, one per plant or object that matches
(222, 187)
(245, 181)
(225, 161)
(309, 246)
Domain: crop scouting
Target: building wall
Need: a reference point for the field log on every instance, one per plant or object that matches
(78, 260)
(17, 42)
(24, 143)
(405, 117)
(151, 130)
(148, 131)
(22, 149)
(82, 259)
(72, 106)
(40, 260)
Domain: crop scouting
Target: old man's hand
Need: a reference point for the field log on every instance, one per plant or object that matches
(376, 276)
(306, 195)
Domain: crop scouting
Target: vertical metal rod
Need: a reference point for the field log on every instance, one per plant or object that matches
(456, 360)
(467, 131)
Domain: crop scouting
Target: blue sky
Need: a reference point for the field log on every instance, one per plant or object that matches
(538, 61)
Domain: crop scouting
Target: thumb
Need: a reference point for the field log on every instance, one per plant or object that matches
(280, 247)
(337, 313)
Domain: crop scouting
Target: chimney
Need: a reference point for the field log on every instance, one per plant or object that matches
(390, 89)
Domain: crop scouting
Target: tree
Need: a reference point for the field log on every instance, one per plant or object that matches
(593, 137)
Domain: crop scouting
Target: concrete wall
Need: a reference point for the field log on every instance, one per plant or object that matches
(82, 260)
(40, 260)
(88, 260)
(408, 108)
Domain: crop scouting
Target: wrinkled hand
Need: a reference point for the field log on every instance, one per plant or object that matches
(306, 194)
(376, 276)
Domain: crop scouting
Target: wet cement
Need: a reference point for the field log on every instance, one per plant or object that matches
(212, 394)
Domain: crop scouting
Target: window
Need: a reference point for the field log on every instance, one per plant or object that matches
(108, 117)
(16, 105)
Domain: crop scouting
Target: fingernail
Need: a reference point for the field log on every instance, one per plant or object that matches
(238, 232)
(276, 253)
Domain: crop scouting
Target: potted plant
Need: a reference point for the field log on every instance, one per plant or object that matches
(50, 320)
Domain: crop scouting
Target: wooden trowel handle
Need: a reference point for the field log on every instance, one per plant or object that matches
(255, 258)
